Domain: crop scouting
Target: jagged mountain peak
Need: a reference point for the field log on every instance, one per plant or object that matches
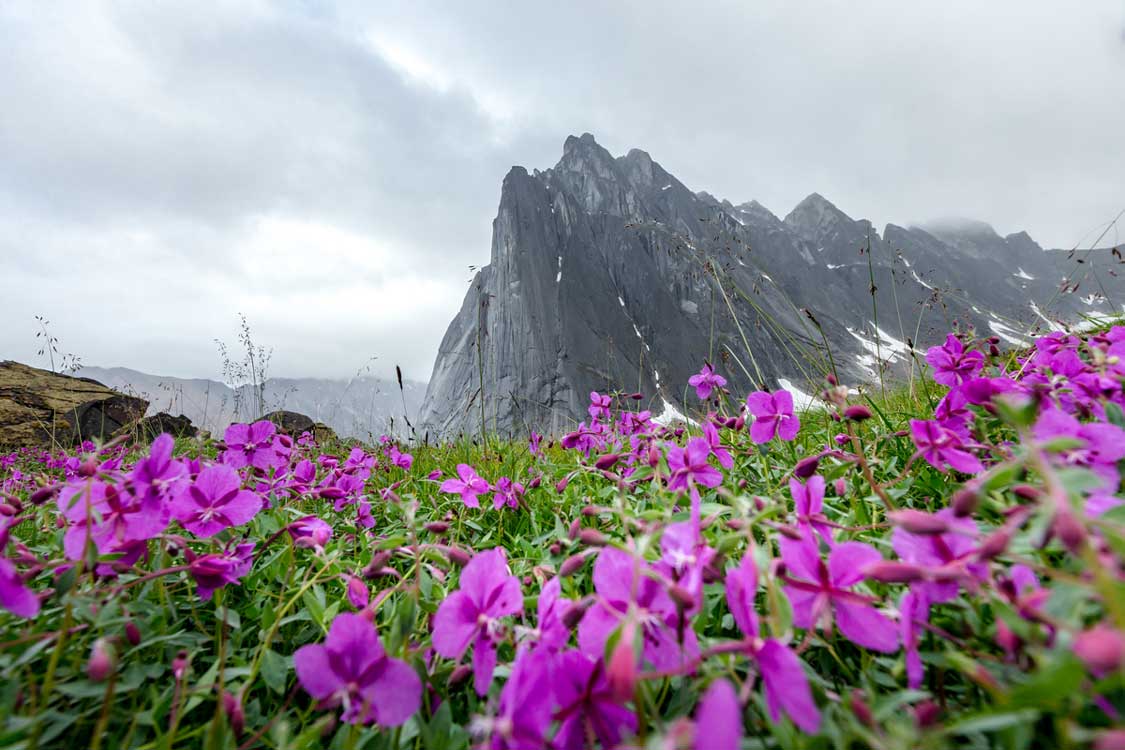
(954, 227)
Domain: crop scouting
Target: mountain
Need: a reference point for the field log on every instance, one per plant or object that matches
(362, 407)
(607, 273)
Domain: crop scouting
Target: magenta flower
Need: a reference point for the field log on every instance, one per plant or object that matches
(706, 382)
(818, 592)
(808, 499)
(773, 416)
(942, 448)
(718, 718)
(599, 406)
(358, 594)
(507, 493)
(108, 516)
(351, 669)
(551, 633)
(952, 364)
(310, 531)
(218, 569)
(690, 467)
(711, 435)
(586, 705)
(533, 442)
(469, 486)
(16, 597)
(949, 552)
(1103, 444)
(251, 445)
(683, 559)
(402, 460)
(615, 574)
(155, 480)
(215, 501)
(526, 702)
(470, 616)
(783, 674)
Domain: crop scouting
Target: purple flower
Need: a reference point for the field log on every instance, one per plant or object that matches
(551, 633)
(402, 460)
(783, 675)
(952, 364)
(711, 435)
(154, 480)
(351, 669)
(808, 501)
(215, 501)
(106, 515)
(471, 615)
(718, 718)
(251, 445)
(683, 559)
(469, 486)
(310, 531)
(358, 594)
(1103, 444)
(599, 406)
(507, 493)
(942, 448)
(586, 705)
(219, 569)
(617, 576)
(533, 444)
(914, 608)
(690, 468)
(817, 591)
(14, 595)
(525, 705)
(706, 382)
(953, 549)
(773, 416)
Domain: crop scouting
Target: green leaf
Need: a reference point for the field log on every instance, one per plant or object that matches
(1051, 685)
(992, 722)
(275, 670)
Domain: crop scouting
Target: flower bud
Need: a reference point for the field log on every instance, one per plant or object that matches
(436, 527)
(575, 527)
(607, 461)
(926, 714)
(621, 673)
(102, 660)
(88, 467)
(592, 537)
(1026, 492)
(132, 633)
(458, 556)
(575, 612)
(1069, 530)
(555, 548)
(918, 522)
(806, 467)
(560, 486)
(636, 396)
(790, 532)
(965, 501)
(1111, 739)
(232, 707)
(857, 413)
(840, 486)
(459, 674)
(43, 494)
(861, 710)
(1007, 640)
(358, 595)
(571, 565)
(535, 483)
(892, 571)
(378, 562)
(1101, 649)
(994, 544)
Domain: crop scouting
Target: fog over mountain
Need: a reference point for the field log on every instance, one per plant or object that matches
(611, 274)
(363, 407)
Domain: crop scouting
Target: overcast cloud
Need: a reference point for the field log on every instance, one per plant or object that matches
(332, 169)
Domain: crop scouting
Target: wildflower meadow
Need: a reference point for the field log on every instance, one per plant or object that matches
(938, 565)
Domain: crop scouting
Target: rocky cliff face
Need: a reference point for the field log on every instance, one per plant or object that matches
(609, 274)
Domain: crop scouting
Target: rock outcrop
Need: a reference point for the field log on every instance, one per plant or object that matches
(40, 408)
(609, 274)
(293, 424)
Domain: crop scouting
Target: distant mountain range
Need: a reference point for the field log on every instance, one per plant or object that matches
(609, 273)
(362, 407)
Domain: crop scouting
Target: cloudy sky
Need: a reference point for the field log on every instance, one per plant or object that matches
(332, 169)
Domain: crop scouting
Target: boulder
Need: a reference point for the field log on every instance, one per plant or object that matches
(293, 424)
(151, 427)
(40, 408)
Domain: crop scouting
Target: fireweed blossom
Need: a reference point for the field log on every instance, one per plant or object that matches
(820, 592)
(616, 575)
(783, 675)
(808, 502)
(1102, 444)
(252, 445)
(106, 515)
(684, 557)
(154, 480)
(953, 553)
(599, 408)
(310, 531)
(471, 615)
(943, 448)
(773, 416)
(952, 364)
(15, 596)
(526, 702)
(586, 704)
(507, 493)
(218, 569)
(352, 670)
(215, 501)
(721, 454)
(690, 469)
(469, 486)
(706, 382)
(718, 718)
